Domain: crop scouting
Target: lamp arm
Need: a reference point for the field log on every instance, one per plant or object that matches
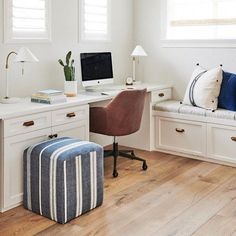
(7, 66)
(7, 59)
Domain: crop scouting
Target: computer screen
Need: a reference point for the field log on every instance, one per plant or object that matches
(96, 68)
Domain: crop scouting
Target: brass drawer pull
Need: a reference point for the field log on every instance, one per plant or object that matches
(161, 95)
(70, 115)
(233, 139)
(28, 123)
(53, 136)
(179, 130)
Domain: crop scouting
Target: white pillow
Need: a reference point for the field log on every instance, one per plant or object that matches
(204, 88)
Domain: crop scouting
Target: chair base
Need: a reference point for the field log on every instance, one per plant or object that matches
(129, 154)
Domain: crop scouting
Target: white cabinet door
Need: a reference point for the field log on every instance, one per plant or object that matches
(12, 166)
(73, 130)
(181, 136)
(221, 142)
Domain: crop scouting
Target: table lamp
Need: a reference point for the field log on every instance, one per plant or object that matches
(22, 56)
(138, 52)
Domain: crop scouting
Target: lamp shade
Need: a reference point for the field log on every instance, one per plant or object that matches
(25, 55)
(139, 52)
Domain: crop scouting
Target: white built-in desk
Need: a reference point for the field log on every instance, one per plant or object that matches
(26, 123)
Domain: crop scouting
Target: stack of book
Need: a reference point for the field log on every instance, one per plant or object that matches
(49, 96)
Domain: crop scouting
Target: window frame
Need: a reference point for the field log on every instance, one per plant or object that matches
(189, 43)
(8, 39)
(82, 37)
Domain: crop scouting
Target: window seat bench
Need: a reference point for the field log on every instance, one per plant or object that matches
(195, 132)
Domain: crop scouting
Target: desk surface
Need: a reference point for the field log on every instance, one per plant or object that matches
(25, 107)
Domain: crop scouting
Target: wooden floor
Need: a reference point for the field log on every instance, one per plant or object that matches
(176, 196)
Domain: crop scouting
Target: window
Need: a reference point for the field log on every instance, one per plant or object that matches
(27, 20)
(95, 19)
(200, 19)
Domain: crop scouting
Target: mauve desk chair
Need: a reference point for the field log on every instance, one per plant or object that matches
(122, 116)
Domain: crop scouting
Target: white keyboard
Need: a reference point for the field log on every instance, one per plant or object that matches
(111, 93)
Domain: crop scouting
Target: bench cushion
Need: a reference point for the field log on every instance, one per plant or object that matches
(176, 107)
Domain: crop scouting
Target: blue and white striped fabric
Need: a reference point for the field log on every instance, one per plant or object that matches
(63, 178)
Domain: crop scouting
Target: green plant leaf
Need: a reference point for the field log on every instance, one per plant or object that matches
(68, 56)
(61, 62)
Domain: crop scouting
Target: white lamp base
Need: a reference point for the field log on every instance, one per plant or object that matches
(10, 100)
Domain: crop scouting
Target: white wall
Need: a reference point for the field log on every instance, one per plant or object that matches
(48, 73)
(171, 64)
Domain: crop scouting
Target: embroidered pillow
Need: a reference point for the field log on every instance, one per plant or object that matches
(227, 98)
(204, 88)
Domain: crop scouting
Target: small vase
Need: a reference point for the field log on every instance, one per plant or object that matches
(70, 88)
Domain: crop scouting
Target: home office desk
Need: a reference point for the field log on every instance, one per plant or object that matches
(26, 123)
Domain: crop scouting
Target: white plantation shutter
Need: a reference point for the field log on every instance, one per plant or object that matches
(95, 19)
(201, 19)
(27, 20)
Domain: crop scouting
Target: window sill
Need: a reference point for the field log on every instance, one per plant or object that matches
(99, 41)
(214, 43)
(22, 41)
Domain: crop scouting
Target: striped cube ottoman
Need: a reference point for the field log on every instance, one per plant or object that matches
(63, 178)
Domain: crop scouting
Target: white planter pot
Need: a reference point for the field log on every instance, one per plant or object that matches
(70, 88)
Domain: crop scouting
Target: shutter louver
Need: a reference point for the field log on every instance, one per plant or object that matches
(201, 19)
(95, 19)
(28, 20)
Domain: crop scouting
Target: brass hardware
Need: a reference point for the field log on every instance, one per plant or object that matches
(53, 136)
(179, 130)
(70, 115)
(233, 139)
(7, 59)
(161, 95)
(28, 123)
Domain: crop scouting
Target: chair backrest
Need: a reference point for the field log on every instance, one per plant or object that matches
(125, 112)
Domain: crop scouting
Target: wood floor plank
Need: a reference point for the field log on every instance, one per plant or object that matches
(225, 220)
(218, 226)
(172, 202)
(195, 216)
(176, 196)
(144, 184)
(125, 212)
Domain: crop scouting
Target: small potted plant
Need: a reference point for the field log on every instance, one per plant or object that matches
(70, 85)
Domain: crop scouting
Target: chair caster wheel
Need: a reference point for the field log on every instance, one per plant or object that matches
(145, 167)
(115, 174)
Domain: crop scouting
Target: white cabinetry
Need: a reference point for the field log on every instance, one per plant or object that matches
(161, 95)
(145, 138)
(73, 130)
(196, 137)
(21, 132)
(221, 142)
(12, 165)
(181, 136)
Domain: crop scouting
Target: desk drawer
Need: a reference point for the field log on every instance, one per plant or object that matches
(25, 124)
(181, 136)
(68, 115)
(221, 142)
(161, 95)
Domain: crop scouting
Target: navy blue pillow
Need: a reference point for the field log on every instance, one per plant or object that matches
(227, 98)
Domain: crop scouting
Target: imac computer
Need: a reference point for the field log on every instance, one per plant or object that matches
(96, 68)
